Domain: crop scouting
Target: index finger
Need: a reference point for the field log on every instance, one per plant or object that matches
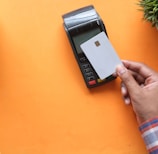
(139, 68)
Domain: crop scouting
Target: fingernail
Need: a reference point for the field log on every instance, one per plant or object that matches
(123, 90)
(121, 69)
(127, 101)
(114, 74)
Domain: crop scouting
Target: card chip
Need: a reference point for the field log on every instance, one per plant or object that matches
(97, 43)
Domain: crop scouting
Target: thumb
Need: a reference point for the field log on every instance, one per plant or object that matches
(128, 79)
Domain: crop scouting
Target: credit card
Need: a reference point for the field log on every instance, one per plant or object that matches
(101, 54)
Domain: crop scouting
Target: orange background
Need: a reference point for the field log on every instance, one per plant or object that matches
(45, 107)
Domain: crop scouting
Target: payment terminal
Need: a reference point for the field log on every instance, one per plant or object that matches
(81, 25)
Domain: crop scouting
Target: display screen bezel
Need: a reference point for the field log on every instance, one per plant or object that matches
(83, 33)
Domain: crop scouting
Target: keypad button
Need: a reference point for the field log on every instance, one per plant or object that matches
(86, 66)
(83, 59)
(99, 80)
(87, 70)
(90, 78)
(93, 82)
(89, 74)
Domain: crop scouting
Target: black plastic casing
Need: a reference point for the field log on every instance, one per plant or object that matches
(79, 21)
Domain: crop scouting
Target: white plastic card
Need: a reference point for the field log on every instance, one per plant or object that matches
(101, 55)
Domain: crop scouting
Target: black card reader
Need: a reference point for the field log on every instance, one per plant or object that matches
(81, 25)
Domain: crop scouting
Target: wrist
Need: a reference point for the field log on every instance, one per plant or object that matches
(148, 120)
(148, 117)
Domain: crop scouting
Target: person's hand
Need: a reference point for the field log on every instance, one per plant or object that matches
(140, 87)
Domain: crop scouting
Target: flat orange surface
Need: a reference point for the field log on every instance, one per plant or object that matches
(45, 107)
